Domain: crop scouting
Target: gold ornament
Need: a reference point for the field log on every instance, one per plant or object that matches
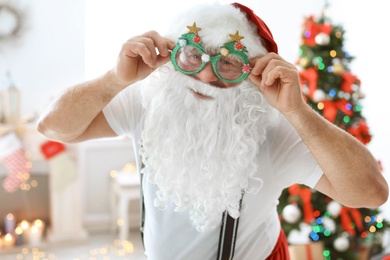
(224, 51)
(338, 69)
(304, 62)
(361, 95)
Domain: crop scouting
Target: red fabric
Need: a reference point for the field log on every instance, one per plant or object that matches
(51, 148)
(280, 251)
(262, 28)
(308, 252)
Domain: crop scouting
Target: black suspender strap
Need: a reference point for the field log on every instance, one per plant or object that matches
(227, 236)
(142, 205)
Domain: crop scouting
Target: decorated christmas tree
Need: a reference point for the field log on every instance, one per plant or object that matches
(334, 92)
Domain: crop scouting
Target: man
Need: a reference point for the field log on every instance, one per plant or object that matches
(218, 120)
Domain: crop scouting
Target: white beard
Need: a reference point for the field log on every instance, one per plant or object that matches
(202, 154)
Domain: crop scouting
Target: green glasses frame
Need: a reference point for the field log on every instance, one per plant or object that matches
(188, 40)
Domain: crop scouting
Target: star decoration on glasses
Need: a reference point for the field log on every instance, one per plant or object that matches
(236, 37)
(193, 29)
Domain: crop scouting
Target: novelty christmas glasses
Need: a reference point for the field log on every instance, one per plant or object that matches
(231, 64)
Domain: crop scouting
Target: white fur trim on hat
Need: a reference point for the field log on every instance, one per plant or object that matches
(9, 143)
(217, 21)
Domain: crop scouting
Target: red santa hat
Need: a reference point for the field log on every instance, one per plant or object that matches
(217, 21)
(262, 29)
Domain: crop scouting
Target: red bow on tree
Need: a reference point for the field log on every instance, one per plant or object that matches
(305, 194)
(312, 29)
(349, 217)
(331, 108)
(348, 80)
(361, 132)
(309, 77)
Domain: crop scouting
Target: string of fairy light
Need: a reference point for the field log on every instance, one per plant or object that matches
(122, 249)
(337, 67)
(118, 248)
(372, 222)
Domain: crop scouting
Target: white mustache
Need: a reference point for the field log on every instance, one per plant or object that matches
(205, 88)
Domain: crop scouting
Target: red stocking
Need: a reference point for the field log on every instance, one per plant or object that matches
(14, 159)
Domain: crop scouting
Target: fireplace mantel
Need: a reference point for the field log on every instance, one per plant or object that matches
(85, 203)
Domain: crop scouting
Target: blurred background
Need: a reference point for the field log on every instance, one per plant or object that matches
(55, 44)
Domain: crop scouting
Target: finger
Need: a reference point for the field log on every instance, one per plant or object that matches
(164, 48)
(162, 60)
(257, 81)
(271, 75)
(149, 53)
(163, 45)
(259, 65)
(136, 48)
(271, 68)
(151, 47)
(282, 74)
(260, 70)
(272, 71)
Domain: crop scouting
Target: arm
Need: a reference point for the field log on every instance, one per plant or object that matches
(77, 114)
(351, 174)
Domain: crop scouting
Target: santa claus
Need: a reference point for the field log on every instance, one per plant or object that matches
(220, 128)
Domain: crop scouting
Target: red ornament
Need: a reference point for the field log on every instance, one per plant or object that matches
(238, 46)
(197, 39)
(246, 68)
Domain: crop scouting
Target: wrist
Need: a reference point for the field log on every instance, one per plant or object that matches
(299, 111)
(112, 84)
(114, 80)
(301, 117)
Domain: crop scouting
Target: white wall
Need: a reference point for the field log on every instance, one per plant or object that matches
(52, 55)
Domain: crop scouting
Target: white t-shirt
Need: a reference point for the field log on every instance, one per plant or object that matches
(169, 235)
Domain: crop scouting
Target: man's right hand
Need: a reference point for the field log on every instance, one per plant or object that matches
(140, 56)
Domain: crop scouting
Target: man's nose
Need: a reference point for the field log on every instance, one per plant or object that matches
(207, 74)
